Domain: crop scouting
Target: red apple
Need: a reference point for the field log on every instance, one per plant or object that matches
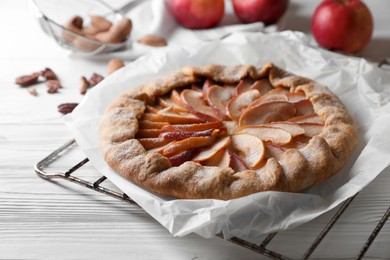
(344, 25)
(266, 11)
(198, 14)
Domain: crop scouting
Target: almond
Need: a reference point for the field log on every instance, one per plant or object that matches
(152, 40)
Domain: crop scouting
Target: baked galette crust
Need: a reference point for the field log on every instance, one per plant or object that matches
(297, 168)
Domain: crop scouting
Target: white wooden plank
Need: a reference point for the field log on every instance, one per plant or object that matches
(57, 220)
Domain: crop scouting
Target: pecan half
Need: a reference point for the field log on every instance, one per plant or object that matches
(48, 74)
(66, 108)
(53, 85)
(76, 21)
(84, 83)
(27, 80)
(95, 79)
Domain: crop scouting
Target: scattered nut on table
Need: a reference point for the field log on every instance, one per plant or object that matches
(48, 74)
(95, 79)
(113, 65)
(27, 80)
(32, 92)
(52, 86)
(66, 108)
(152, 40)
(84, 85)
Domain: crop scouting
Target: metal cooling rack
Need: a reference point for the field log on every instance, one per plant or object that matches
(261, 248)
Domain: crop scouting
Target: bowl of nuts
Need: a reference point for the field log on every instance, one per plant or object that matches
(87, 27)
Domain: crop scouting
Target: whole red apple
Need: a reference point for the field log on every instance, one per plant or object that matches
(266, 11)
(198, 14)
(344, 25)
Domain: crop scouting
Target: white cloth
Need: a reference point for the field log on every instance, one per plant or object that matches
(155, 17)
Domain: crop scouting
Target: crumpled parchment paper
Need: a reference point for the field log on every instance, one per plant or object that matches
(363, 88)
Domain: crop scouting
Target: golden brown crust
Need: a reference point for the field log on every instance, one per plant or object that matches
(297, 169)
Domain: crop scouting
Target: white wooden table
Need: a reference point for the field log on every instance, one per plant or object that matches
(58, 220)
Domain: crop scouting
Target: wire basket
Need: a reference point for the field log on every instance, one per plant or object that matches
(53, 15)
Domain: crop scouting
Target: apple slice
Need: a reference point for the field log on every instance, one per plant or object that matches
(167, 102)
(151, 143)
(158, 149)
(297, 143)
(176, 135)
(304, 107)
(279, 90)
(206, 85)
(294, 97)
(153, 118)
(197, 88)
(194, 102)
(218, 97)
(192, 127)
(237, 105)
(221, 159)
(182, 157)
(243, 86)
(267, 133)
(249, 147)
(268, 98)
(267, 112)
(211, 151)
(273, 151)
(302, 139)
(145, 124)
(312, 129)
(148, 133)
(185, 134)
(175, 97)
(292, 128)
(262, 85)
(186, 144)
(167, 115)
(230, 127)
(236, 163)
(153, 110)
(314, 118)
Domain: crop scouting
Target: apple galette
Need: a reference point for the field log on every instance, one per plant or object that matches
(225, 132)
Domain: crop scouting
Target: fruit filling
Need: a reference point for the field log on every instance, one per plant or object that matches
(224, 125)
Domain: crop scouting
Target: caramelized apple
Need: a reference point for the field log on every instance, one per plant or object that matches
(292, 128)
(213, 150)
(312, 129)
(151, 143)
(267, 112)
(186, 144)
(304, 107)
(243, 86)
(314, 118)
(195, 103)
(267, 133)
(182, 157)
(249, 147)
(144, 124)
(192, 127)
(237, 105)
(236, 163)
(217, 98)
(263, 86)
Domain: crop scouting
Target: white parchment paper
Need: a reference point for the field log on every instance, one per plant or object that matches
(364, 89)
